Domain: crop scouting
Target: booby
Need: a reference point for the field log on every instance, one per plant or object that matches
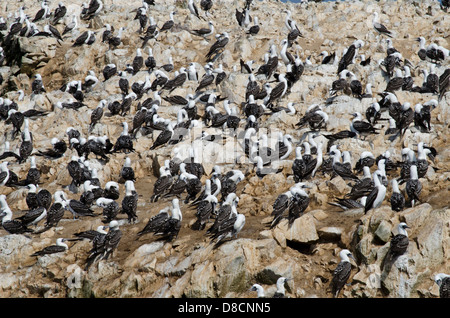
(281, 204)
(217, 47)
(342, 272)
(106, 246)
(341, 169)
(56, 211)
(115, 41)
(442, 279)
(155, 222)
(348, 204)
(399, 243)
(327, 58)
(4, 173)
(170, 229)
(53, 249)
(109, 71)
(71, 25)
(127, 171)
(33, 175)
(169, 23)
(204, 210)
(42, 13)
(380, 28)
(397, 199)
(377, 195)
(422, 117)
(413, 186)
(444, 83)
(138, 61)
(361, 127)
(124, 142)
(59, 13)
(299, 202)
(79, 209)
(204, 32)
(111, 190)
(281, 291)
(254, 29)
(395, 83)
(229, 184)
(26, 147)
(408, 81)
(231, 228)
(7, 153)
(349, 55)
(206, 5)
(129, 202)
(422, 52)
(259, 290)
(93, 9)
(12, 226)
(110, 208)
(97, 114)
(37, 86)
(373, 113)
(193, 9)
(366, 159)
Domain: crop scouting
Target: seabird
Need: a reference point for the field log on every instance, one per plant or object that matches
(398, 246)
(164, 136)
(348, 204)
(361, 127)
(281, 291)
(97, 114)
(129, 202)
(217, 47)
(373, 113)
(397, 199)
(349, 55)
(56, 211)
(169, 23)
(204, 32)
(342, 272)
(44, 12)
(59, 13)
(413, 186)
(281, 204)
(124, 142)
(443, 280)
(341, 169)
(110, 208)
(53, 249)
(377, 195)
(169, 227)
(395, 83)
(115, 41)
(93, 9)
(259, 290)
(105, 247)
(366, 159)
(380, 28)
(138, 61)
(299, 202)
(26, 147)
(109, 71)
(111, 190)
(71, 25)
(12, 226)
(327, 58)
(37, 86)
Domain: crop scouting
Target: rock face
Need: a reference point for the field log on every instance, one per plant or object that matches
(191, 266)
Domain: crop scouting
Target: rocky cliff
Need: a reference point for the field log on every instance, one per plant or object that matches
(190, 266)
